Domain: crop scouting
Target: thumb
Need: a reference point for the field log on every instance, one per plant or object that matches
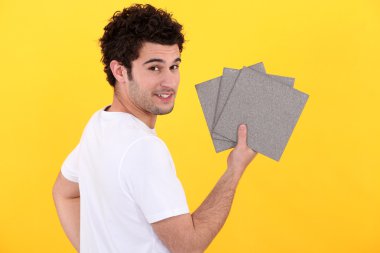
(242, 135)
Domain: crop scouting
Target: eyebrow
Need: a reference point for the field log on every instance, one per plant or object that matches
(160, 60)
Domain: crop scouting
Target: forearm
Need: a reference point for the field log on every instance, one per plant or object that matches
(68, 210)
(211, 215)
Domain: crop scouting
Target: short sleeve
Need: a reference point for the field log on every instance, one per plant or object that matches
(69, 167)
(147, 172)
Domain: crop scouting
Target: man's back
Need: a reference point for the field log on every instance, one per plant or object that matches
(127, 181)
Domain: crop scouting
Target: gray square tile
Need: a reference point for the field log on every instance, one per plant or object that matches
(269, 108)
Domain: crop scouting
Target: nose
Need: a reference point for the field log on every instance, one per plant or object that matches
(170, 79)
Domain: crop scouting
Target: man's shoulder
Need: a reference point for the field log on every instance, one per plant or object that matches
(147, 154)
(148, 143)
(146, 148)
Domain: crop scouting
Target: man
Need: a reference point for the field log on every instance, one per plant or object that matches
(117, 190)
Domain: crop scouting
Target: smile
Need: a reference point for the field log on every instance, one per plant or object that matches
(164, 95)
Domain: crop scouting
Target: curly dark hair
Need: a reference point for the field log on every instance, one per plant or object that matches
(127, 30)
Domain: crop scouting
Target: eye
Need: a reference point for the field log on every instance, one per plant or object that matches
(174, 67)
(154, 68)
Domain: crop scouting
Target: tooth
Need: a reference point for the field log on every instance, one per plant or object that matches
(164, 95)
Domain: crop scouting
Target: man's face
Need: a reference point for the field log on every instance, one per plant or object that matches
(155, 78)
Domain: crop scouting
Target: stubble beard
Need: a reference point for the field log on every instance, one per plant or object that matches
(144, 100)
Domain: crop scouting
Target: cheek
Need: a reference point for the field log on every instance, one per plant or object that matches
(177, 80)
(147, 83)
(150, 85)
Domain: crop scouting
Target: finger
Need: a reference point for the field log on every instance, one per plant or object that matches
(242, 135)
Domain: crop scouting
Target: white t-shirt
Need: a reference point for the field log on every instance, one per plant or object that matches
(127, 180)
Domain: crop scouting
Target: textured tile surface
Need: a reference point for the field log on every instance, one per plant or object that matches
(269, 108)
(211, 94)
(226, 84)
(208, 94)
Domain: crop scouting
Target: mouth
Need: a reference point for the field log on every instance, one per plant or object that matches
(165, 96)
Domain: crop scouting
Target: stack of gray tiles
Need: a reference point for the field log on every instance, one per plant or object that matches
(268, 104)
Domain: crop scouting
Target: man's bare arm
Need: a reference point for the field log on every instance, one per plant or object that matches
(193, 233)
(67, 202)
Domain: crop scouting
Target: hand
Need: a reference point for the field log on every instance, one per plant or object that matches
(241, 155)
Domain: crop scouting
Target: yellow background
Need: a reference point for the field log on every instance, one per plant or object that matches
(324, 194)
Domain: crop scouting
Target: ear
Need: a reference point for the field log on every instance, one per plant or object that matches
(118, 71)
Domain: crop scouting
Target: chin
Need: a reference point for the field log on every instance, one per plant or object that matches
(162, 111)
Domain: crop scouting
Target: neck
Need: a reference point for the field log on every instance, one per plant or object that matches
(128, 107)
